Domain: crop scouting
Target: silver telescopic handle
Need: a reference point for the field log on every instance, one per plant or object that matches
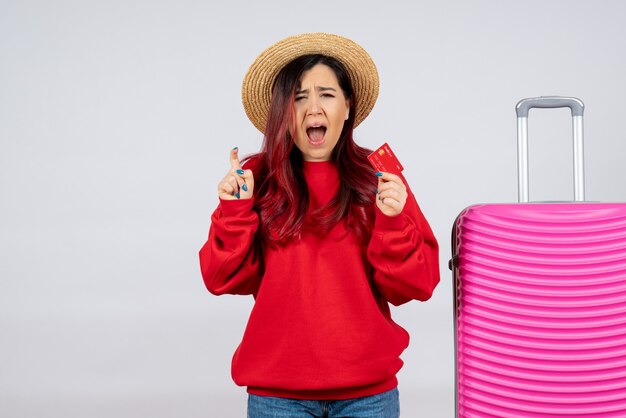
(550, 102)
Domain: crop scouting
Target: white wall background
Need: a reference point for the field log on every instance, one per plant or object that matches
(116, 118)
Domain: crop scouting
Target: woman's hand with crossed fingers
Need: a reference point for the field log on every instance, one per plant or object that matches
(238, 183)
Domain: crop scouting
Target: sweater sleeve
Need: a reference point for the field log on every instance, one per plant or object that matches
(230, 260)
(404, 254)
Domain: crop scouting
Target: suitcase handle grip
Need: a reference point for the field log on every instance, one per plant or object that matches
(549, 102)
(576, 106)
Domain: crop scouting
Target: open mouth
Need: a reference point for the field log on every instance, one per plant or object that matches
(315, 134)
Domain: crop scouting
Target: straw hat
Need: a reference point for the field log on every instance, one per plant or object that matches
(257, 86)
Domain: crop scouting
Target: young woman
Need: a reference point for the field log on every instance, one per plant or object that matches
(321, 240)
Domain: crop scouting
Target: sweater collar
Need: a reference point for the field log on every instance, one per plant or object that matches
(319, 167)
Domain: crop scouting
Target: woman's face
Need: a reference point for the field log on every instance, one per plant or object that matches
(321, 110)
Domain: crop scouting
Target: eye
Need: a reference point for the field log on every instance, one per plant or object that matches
(327, 95)
(299, 97)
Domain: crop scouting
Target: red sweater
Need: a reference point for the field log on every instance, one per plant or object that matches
(321, 327)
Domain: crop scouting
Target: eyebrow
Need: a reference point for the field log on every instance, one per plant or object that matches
(319, 88)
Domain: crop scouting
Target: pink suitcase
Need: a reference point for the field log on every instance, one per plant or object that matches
(540, 299)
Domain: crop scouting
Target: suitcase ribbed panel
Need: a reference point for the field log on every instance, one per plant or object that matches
(540, 307)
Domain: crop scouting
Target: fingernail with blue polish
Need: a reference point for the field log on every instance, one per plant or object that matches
(376, 191)
(237, 195)
(379, 174)
(245, 188)
(235, 148)
(240, 172)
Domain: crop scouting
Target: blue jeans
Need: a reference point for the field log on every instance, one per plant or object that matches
(383, 405)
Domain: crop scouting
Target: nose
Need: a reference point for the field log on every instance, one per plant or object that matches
(314, 107)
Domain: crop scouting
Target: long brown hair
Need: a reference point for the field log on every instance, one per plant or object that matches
(281, 199)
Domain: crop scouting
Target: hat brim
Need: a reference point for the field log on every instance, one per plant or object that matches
(257, 85)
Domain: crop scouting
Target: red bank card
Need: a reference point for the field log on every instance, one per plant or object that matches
(383, 159)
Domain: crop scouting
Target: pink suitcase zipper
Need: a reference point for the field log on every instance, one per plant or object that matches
(540, 300)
